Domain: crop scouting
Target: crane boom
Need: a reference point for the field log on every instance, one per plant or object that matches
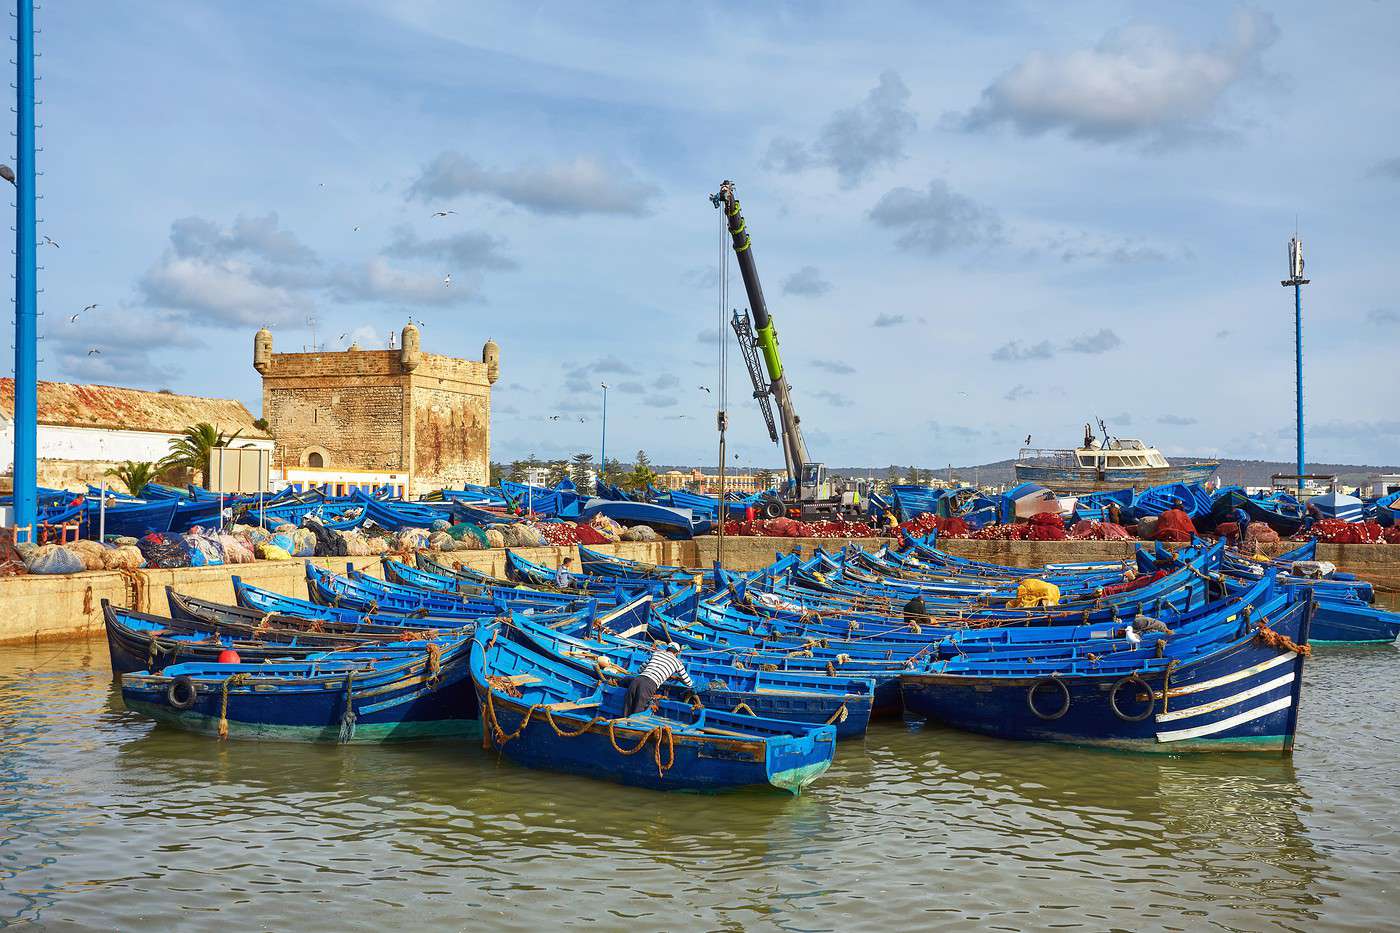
(763, 337)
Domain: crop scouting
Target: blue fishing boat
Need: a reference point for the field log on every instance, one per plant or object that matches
(812, 698)
(1239, 694)
(1339, 506)
(139, 641)
(413, 690)
(541, 713)
(674, 523)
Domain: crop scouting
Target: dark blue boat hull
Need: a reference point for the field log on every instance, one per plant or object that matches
(1243, 697)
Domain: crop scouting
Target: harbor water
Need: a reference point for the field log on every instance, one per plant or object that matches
(107, 821)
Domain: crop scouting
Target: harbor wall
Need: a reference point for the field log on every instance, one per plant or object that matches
(39, 607)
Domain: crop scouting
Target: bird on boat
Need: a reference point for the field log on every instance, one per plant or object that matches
(49, 240)
(7, 173)
(443, 213)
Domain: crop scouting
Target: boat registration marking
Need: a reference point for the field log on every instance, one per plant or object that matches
(1229, 678)
(1259, 712)
(1223, 702)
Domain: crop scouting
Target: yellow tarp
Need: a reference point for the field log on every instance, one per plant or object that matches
(1032, 593)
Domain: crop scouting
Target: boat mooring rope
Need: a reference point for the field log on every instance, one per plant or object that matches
(347, 718)
(233, 680)
(1267, 636)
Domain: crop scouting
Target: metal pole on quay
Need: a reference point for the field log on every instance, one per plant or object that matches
(1295, 279)
(26, 295)
(603, 449)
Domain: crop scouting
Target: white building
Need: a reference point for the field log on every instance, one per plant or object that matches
(85, 429)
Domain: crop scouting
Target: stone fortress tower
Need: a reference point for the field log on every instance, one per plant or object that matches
(397, 411)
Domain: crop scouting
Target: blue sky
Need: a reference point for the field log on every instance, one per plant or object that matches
(972, 225)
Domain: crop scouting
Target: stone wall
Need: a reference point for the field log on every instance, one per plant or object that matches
(37, 607)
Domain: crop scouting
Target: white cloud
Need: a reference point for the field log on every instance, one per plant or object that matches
(1138, 81)
(856, 140)
(935, 220)
(581, 186)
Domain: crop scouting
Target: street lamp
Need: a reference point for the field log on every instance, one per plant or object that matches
(603, 452)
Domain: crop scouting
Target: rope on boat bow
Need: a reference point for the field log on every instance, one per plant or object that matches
(347, 718)
(233, 680)
(1267, 636)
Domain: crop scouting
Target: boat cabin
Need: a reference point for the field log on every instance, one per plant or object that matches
(1120, 454)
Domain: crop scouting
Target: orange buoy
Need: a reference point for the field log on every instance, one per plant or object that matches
(229, 656)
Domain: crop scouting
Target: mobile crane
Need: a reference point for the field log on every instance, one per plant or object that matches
(809, 494)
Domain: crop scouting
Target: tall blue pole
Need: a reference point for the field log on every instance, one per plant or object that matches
(1298, 359)
(26, 297)
(603, 450)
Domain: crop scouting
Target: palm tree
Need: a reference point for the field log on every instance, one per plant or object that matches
(192, 449)
(135, 474)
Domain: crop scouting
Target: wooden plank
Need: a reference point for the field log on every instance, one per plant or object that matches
(519, 680)
(573, 704)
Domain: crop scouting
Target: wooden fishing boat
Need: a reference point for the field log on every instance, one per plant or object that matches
(1100, 466)
(414, 690)
(1241, 694)
(139, 641)
(813, 698)
(542, 713)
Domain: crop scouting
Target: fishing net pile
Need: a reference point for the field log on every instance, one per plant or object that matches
(946, 526)
(1174, 525)
(1098, 531)
(1017, 532)
(791, 528)
(1336, 531)
(1046, 526)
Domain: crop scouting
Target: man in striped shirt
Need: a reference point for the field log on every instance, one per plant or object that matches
(663, 665)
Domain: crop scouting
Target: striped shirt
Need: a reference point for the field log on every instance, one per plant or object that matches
(662, 666)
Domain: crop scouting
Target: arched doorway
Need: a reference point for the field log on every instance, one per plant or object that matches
(314, 459)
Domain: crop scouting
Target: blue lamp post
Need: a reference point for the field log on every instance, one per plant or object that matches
(26, 297)
(603, 451)
(1295, 279)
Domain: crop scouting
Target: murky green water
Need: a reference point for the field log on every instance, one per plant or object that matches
(108, 822)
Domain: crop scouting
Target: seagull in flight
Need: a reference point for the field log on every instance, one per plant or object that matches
(706, 388)
(442, 213)
(447, 282)
(94, 351)
(355, 229)
(1028, 440)
(553, 417)
(583, 421)
(49, 240)
(342, 336)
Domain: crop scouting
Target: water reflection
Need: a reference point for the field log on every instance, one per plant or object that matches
(110, 821)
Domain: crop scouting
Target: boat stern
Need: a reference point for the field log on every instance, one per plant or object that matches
(796, 761)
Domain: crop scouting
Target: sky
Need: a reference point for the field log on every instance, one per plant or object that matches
(973, 223)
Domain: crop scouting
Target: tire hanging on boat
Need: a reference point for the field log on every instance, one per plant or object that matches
(1030, 698)
(1119, 685)
(181, 693)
